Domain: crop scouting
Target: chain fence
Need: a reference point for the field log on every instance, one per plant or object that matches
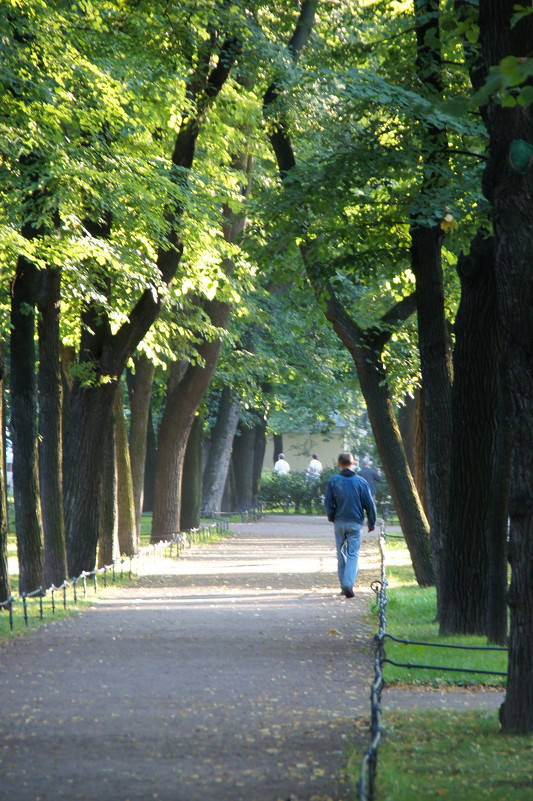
(119, 569)
(366, 785)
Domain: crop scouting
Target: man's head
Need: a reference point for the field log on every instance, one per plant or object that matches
(314, 456)
(345, 460)
(281, 456)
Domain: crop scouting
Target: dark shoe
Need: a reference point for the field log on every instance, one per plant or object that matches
(348, 593)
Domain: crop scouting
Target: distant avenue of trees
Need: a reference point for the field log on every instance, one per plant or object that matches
(220, 219)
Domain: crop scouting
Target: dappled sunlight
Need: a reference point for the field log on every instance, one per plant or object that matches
(246, 600)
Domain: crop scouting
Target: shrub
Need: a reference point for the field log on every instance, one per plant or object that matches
(292, 491)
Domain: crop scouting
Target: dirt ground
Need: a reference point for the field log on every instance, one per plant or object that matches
(235, 673)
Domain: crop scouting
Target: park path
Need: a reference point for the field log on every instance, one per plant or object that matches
(237, 674)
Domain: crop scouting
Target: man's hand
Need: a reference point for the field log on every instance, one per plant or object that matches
(370, 529)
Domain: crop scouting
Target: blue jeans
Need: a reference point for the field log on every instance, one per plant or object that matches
(348, 542)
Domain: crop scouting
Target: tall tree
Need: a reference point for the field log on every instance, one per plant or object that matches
(364, 347)
(51, 427)
(185, 398)
(508, 185)
(128, 537)
(426, 251)
(5, 584)
(107, 351)
(219, 451)
(474, 570)
(140, 393)
(24, 391)
(192, 478)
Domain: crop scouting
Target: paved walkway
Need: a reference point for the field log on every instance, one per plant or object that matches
(237, 675)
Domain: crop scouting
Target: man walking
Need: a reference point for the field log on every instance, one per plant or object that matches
(347, 499)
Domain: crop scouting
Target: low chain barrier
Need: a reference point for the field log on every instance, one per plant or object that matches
(366, 785)
(129, 565)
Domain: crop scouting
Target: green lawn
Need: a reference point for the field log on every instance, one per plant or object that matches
(410, 614)
(442, 753)
(455, 755)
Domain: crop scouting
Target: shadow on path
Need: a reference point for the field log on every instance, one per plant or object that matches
(235, 673)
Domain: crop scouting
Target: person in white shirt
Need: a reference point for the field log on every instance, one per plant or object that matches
(282, 466)
(314, 468)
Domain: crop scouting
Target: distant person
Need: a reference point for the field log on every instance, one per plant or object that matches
(282, 466)
(314, 468)
(347, 499)
(370, 475)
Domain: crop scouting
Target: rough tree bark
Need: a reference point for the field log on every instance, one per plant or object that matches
(192, 478)
(149, 467)
(108, 547)
(128, 539)
(259, 452)
(28, 520)
(420, 451)
(51, 427)
(467, 563)
(108, 352)
(278, 447)
(176, 422)
(508, 185)
(182, 403)
(140, 393)
(407, 425)
(364, 347)
(5, 584)
(219, 452)
(243, 466)
(426, 246)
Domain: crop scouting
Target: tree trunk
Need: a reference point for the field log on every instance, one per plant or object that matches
(89, 410)
(51, 428)
(183, 402)
(229, 498)
(219, 455)
(140, 388)
(508, 185)
(28, 521)
(178, 417)
(407, 425)
(413, 522)
(106, 351)
(243, 465)
(363, 347)
(259, 454)
(278, 448)
(435, 361)
(192, 478)
(5, 584)
(108, 546)
(420, 451)
(149, 468)
(497, 520)
(128, 539)
(426, 245)
(466, 565)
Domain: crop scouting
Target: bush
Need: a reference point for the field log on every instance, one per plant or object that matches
(292, 492)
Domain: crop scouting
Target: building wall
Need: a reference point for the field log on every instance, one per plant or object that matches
(299, 447)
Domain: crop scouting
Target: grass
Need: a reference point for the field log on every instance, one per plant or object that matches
(436, 755)
(410, 614)
(442, 753)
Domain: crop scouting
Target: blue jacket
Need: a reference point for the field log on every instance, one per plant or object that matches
(348, 497)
